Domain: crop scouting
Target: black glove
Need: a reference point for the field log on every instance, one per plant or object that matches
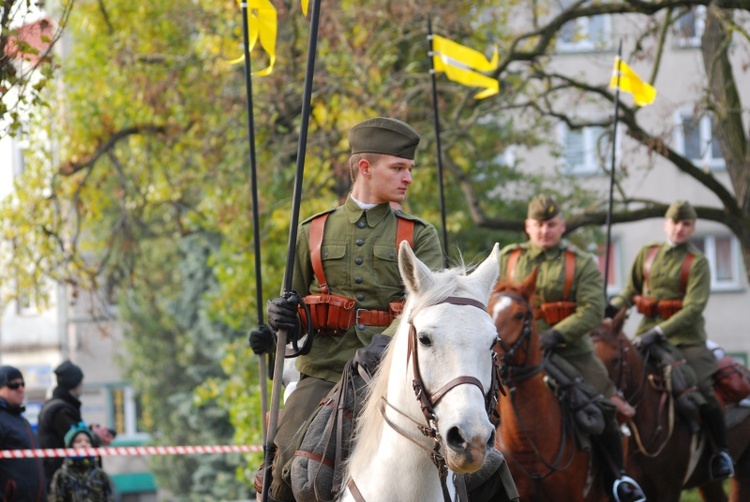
(650, 337)
(282, 314)
(610, 311)
(262, 339)
(551, 339)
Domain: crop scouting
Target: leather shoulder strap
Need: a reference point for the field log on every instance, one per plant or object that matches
(647, 264)
(685, 272)
(570, 270)
(404, 231)
(317, 226)
(513, 256)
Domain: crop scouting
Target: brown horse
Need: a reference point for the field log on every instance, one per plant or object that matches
(665, 456)
(535, 435)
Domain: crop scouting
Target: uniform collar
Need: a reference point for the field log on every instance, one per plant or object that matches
(16, 410)
(372, 216)
(548, 254)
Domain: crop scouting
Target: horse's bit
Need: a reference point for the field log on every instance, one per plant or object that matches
(429, 401)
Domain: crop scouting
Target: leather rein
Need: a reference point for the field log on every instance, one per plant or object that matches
(428, 401)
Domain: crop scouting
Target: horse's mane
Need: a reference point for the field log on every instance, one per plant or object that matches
(450, 282)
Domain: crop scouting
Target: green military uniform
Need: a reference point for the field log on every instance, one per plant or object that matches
(587, 291)
(686, 328)
(359, 257)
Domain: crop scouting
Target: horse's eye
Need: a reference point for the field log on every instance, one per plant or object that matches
(425, 341)
(519, 316)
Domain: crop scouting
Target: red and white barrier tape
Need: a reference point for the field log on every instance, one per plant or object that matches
(110, 451)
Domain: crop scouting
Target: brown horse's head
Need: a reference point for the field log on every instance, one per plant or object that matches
(511, 307)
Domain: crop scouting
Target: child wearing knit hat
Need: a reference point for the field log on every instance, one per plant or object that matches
(80, 478)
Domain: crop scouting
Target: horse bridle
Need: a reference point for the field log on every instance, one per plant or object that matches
(428, 401)
(511, 373)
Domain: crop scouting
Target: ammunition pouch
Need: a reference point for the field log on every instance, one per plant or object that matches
(554, 312)
(651, 308)
(331, 314)
(668, 308)
(334, 315)
(646, 306)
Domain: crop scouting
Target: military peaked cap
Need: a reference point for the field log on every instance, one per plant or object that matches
(681, 210)
(384, 135)
(543, 208)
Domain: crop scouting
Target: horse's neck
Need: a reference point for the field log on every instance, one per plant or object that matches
(528, 403)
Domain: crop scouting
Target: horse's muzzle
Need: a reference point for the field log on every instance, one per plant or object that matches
(466, 456)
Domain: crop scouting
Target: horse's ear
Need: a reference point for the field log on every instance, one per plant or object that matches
(415, 274)
(619, 320)
(489, 270)
(529, 284)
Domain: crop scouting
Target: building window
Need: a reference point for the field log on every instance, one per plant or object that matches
(584, 150)
(614, 276)
(585, 33)
(690, 25)
(695, 140)
(723, 254)
(125, 411)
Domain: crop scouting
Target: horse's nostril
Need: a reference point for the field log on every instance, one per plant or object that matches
(455, 439)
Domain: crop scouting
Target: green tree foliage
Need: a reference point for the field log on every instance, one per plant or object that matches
(173, 348)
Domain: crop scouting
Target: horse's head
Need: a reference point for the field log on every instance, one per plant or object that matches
(511, 306)
(447, 336)
(618, 354)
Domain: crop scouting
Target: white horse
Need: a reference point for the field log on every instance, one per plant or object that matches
(444, 341)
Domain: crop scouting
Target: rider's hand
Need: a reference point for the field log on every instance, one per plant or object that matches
(650, 337)
(551, 339)
(262, 339)
(282, 314)
(610, 311)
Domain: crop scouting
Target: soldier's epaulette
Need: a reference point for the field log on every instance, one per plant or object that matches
(401, 214)
(308, 220)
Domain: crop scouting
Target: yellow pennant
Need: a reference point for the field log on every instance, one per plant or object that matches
(643, 92)
(261, 22)
(304, 6)
(459, 62)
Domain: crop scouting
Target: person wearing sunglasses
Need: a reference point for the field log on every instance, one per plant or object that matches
(20, 479)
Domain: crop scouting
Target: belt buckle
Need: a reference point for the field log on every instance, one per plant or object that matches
(356, 315)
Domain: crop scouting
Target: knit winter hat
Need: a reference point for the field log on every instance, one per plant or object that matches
(75, 429)
(8, 374)
(68, 375)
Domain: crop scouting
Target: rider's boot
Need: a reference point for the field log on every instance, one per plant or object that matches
(624, 488)
(720, 465)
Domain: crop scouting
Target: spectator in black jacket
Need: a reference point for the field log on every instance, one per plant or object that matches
(20, 479)
(60, 413)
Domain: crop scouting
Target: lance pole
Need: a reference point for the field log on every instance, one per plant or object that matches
(292, 245)
(436, 121)
(256, 216)
(612, 174)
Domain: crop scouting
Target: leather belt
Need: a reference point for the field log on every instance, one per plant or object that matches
(373, 317)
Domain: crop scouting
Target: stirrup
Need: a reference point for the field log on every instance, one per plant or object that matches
(632, 492)
(721, 466)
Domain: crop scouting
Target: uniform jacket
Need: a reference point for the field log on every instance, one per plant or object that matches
(360, 261)
(56, 417)
(81, 480)
(587, 290)
(20, 479)
(687, 325)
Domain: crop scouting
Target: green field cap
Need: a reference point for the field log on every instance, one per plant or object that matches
(386, 136)
(543, 208)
